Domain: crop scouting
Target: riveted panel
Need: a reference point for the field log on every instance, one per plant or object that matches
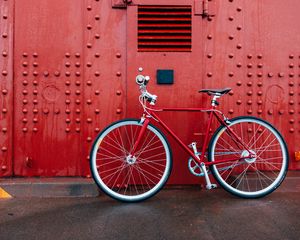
(48, 82)
(104, 67)
(6, 86)
(257, 58)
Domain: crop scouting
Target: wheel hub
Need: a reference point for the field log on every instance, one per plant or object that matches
(130, 159)
(246, 154)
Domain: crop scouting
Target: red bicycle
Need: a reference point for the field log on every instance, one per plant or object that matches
(131, 159)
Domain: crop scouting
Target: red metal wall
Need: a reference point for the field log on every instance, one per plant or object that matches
(68, 68)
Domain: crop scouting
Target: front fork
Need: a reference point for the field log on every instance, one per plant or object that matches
(145, 122)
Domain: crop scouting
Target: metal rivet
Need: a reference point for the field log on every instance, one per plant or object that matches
(239, 27)
(25, 64)
(249, 93)
(97, 92)
(291, 111)
(259, 111)
(67, 92)
(97, 55)
(97, 17)
(239, 46)
(270, 111)
(25, 101)
(77, 74)
(230, 74)
(97, 73)
(25, 73)
(45, 110)
(89, 45)
(209, 36)
(35, 82)
(35, 73)
(4, 91)
(259, 56)
(89, 26)
(77, 83)
(270, 74)
(259, 93)
(35, 129)
(249, 65)
(89, 83)
(291, 93)
(249, 56)
(88, 139)
(239, 102)
(4, 110)
(249, 74)
(209, 74)
(281, 111)
(89, 8)
(231, 93)
(68, 101)
(4, 35)
(231, 37)
(46, 73)
(24, 129)
(25, 92)
(35, 110)
(230, 111)
(77, 120)
(291, 74)
(35, 55)
(4, 129)
(68, 83)
(77, 110)
(68, 120)
(230, 18)
(291, 65)
(77, 55)
(89, 120)
(97, 36)
(5, 16)
(77, 92)
(57, 111)
(97, 110)
(35, 64)
(249, 84)
(4, 54)
(35, 101)
(77, 101)
(77, 64)
(239, 9)
(230, 55)
(249, 111)
(67, 64)
(4, 149)
(68, 54)
(25, 54)
(259, 65)
(4, 73)
(118, 92)
(67, 111)
(291, 130)
(249, 102)
(259, 84)
(291, 56)
(118, 111)
(89, 64)
(239, 65)
(25, 110)
(259, 74)
(35, 92)
(68, 74)
(56, 73)
(281, 74)
(239, 83)
(292, 120)
(77, 130)
(118, 73)
(35, 120)
(291, 83)
(89, 101)
(209, 55)
(67, 130)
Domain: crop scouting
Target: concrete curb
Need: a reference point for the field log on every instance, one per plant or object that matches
(84, 187)
(49, 187)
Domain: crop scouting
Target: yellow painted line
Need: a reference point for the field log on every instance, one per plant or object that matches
(4, 194)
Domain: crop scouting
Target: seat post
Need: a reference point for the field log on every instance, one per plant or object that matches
(214, 101)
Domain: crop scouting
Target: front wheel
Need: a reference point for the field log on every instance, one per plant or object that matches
(253, 157)
(125, 177)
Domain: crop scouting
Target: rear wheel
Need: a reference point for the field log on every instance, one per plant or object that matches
(257, 157)
(125, 177)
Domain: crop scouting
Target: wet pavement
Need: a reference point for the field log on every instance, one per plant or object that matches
(171, 214)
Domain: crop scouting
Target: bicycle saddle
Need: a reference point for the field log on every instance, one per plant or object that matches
(215, 91)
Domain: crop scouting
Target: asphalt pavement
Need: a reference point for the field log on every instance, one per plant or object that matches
(172, 214)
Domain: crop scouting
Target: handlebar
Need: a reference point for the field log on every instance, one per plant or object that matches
(142, 81)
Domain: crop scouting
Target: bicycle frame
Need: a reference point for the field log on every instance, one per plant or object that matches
(151, 114)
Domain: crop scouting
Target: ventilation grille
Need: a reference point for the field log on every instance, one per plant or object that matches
(164, 28)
